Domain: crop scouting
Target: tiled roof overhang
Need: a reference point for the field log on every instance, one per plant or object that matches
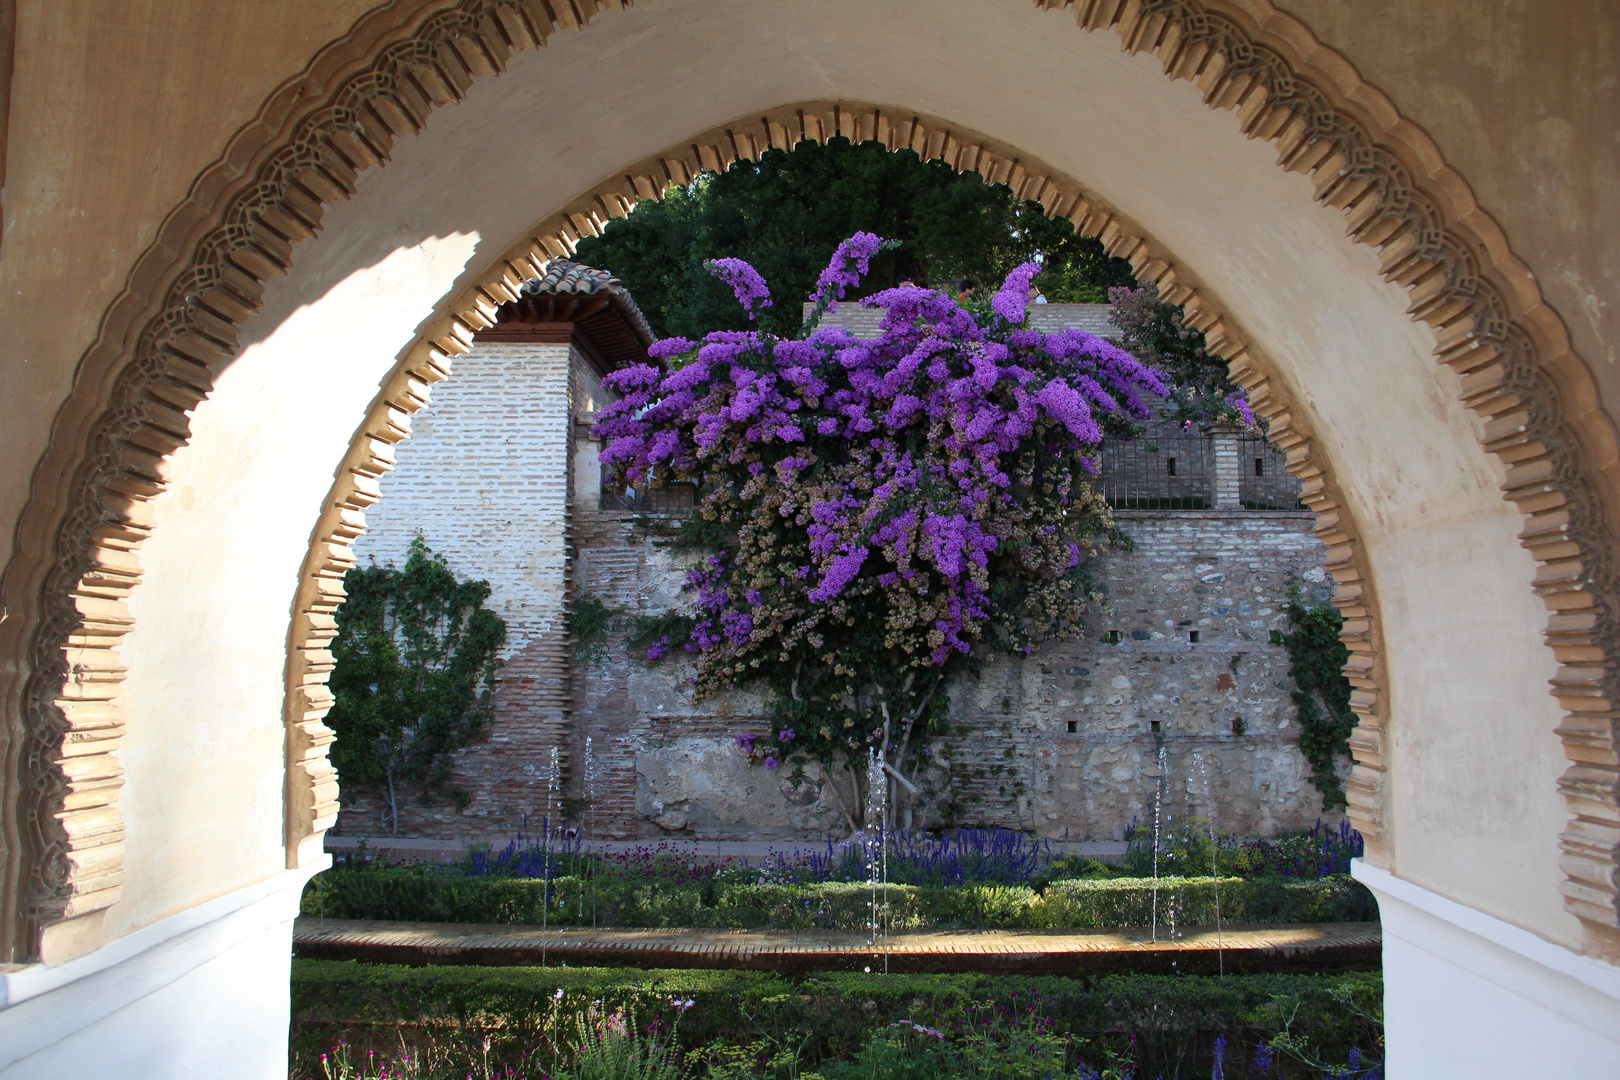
(572, 302)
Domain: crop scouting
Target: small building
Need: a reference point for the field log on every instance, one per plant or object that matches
(1176, 692)
(492, 477)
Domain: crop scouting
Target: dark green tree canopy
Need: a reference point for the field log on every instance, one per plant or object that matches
(786, 213)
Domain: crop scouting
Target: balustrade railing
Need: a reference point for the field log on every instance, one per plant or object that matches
(1173, 472)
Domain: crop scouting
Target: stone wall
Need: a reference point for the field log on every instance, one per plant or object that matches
(501, 477)
(1064, 743)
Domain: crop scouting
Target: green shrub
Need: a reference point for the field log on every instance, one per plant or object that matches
(446, 896)
(1173, 1020)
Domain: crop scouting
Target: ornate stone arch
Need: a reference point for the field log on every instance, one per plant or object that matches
(175, 325)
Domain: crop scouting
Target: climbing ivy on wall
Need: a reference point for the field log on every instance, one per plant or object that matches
(590, 622)
(1322, 693)
(415, 668)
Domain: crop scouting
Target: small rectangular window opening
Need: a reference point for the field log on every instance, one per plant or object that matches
(1192, 637)
(1153, 725)
(1170, 466)
(1110, 637)
(1074, 726)
(1259, 466)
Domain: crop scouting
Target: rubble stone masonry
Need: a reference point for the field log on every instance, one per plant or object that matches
(1063, 743)
(501, 479)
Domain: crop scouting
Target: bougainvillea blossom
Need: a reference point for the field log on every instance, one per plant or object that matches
(882, 506)
(746, 284)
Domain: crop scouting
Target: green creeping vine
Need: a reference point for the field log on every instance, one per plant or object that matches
(590, 622)
(1322, 693)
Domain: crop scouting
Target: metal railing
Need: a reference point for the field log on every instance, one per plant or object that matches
(1264, 482)
(1150, 472)
(669, 499)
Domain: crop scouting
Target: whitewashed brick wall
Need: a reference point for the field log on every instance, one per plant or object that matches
(484, 479)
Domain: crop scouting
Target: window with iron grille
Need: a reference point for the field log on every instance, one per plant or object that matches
(667, 499)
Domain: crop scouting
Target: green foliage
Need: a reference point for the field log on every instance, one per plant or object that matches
(787, 212)
(674, 624)
(446, 896)
(740, 1020)
(1157, 334)
(608, 1046)
(590, 622)
(415, 665)
(984, 1044)
(1316, 659)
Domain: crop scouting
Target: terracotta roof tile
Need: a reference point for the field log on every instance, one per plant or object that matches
(566, 277)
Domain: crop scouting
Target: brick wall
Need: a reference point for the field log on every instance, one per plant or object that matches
(485, 479)
(489, 481)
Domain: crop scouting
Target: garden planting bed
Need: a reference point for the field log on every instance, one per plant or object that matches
(721, 1024)
(971, 880)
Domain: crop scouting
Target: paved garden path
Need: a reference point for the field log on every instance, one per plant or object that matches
(1313, 947)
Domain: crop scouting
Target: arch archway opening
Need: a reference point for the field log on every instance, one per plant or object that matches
(1317, 312)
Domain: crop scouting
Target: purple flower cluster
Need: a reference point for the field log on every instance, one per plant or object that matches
(746, 284)
(1011, 302)
(846, 269)
(879, 479)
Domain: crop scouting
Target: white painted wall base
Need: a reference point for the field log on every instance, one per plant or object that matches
(1471, 997)
(200, 994)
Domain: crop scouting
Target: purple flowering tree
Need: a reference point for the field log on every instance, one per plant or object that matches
(876, 516)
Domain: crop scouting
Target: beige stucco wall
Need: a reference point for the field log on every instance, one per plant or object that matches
(125, 103)
(1521, 97)
(116, 106)
(203, 794)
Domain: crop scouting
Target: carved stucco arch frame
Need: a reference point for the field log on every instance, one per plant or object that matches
(175, 324)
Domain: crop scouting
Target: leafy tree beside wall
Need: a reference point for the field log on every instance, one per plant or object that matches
(415, 668)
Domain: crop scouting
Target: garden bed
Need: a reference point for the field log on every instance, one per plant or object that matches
(474, 1021)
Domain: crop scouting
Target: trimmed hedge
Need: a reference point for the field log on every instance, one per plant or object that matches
(1174, 1020)
(413, 896)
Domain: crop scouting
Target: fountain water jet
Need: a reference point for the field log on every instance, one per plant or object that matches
(874, 840)
(545, 854)
(1214, 857)
(1158, 802)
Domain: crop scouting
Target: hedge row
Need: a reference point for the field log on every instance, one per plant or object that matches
(1173, 1020)
(450, 897)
